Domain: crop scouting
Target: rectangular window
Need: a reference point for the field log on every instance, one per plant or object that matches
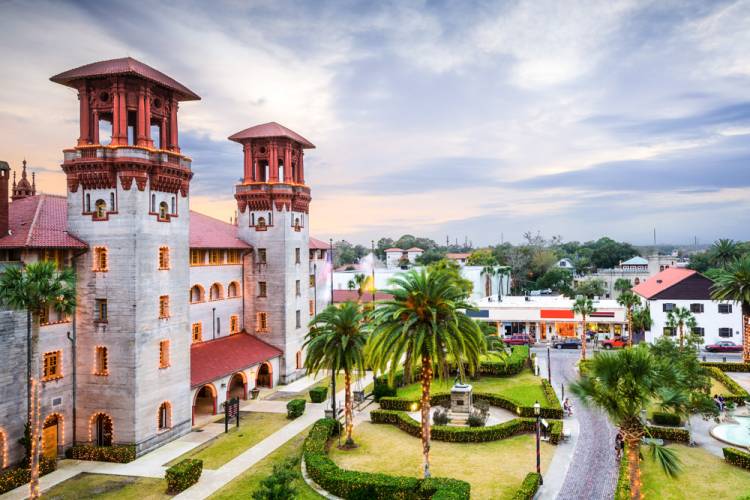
(725, 332)
(297, 258)
(164, 354)
(297, 288)
(696, 308)
(312, 308)
(234, 324)
(725, 308)
(667, 307)
(101, 263)
(233, 256)
(699, 330)
(102, 314)
(164, 306)
(298, 319)
(52, 365)
(100, 363)
(312, 281)
(214, 257)
(197, 332)
(669, 332)
(44, 316)
(261, 322)
(197, 257)
(262, 289)
(261, 256)
(163, 258)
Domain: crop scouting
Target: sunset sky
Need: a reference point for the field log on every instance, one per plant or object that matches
(447, 118)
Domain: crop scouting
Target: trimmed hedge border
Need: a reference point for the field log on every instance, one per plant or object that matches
(727, 367)
(678, 434)
(354, 485)
(666, 419)
(622, 490)
(529, 487)
(11, 479)
(318, 394)
(295, 408)
(551, 396)
(183, 475)
(120, 454)
(737, 457)
(739, 395)
(452, 434)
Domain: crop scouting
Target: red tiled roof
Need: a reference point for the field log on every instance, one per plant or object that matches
(352, 296)
(317, 244)
(270, 129)
(661, 281)
(124, 66)
(457, 256)
(226, 355)
(39, 222)
(415, 249)
(393, 250)
(207, 232)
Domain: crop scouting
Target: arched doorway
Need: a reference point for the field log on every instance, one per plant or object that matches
(164, 416)
(237, 387)
(263, 378)
(102, 430)
(205, 401)
(51, 435)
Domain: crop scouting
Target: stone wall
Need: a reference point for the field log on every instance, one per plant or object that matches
(12, 385)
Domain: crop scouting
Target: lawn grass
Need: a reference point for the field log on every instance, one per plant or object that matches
(495, 470)
(719, 388)
(704, 475)
(246, 483)
(105, 486)
(254, 427)
(524, 388)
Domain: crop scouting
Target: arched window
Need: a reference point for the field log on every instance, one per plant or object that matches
(261, 224)
(216, 292)
(112, 201)
(165, 416)
(296, 224)
(88, 203)
(637, 281)
(101, 261)
(196, 294)
(101, 429)
(100, 209)
(233, 290)
(163, 209)
(174, 205)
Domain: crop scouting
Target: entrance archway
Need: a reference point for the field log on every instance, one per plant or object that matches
(51, 435)
(102, 430)
(237, 387)
(205, 401)
(264, 376)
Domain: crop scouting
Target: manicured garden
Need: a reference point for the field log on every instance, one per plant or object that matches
(107, 486)
(254, 427)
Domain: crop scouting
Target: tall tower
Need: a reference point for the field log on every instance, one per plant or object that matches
(273, 203)
(128, 190)
(4, 208)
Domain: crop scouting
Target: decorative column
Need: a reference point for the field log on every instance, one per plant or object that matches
(288, 164)
(83, 97)
(123, 114)
(173, 144)
(147, 118)
(248, 163)
(95, 128)
(115, 114)
(163, 134)
(140, 138)
(273, 163)
(301, 166)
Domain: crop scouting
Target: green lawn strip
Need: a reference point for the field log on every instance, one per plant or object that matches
(254, 427)
(105, 486)
(703, 475)
(246, 483)
(719, 388)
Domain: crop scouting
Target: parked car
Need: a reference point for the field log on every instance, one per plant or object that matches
(518, 340)
(724, 346)
(567, 344)
(615, 343)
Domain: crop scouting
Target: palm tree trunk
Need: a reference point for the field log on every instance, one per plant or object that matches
(682, 336)
(35, 424)
(745, 337)
(487, 286)
(634, 465)
(407, 367)
(426, 381)
(348, 420)
(583, 339)
(630, 326)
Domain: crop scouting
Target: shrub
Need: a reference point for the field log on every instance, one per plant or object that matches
(18, 476)
(728, 367)
(120, 454)
(555, 431)
(678, 434)
(280, 484)
(295, 408)
(183, 475)
(476, 419)
(318, 394)
(739, 395)
(664, 418)
(529, 487)
(440, 417)
(622, 491)
(737, 457)
(551, 396)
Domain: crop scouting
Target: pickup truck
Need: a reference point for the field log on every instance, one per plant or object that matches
(615, 343)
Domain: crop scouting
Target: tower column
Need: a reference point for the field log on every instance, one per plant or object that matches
(248, 163)
(288, 164)
(163, 134)
(301, 167)
(115, 114)
(140, 138)
(273, 163)
(147, 118)
(83, 97)
(123, 113)
(95, 128)
(173, 145)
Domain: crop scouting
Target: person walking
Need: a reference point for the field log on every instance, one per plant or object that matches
(619, 445)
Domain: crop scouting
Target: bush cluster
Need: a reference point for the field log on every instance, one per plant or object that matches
(120, 454)
(529, 487)
(728, 367)
(364, 485)
(318, 394)
(622, 491)
(668, 419)
(739, 395)
(13, 478)
(280, 484)
(678, 434)
(183, 475)
(295, 408)
(737, 457)
(551, 396)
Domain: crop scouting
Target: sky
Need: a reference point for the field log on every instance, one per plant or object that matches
(459, 119)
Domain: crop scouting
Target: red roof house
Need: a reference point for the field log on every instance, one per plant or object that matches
(226, 355)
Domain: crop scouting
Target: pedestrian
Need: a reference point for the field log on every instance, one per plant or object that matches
(722, 402)
(619, 445)
(567, 407)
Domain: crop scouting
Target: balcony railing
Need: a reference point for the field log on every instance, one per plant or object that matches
(117, 152)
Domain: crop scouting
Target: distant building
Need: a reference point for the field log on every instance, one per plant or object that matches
(565, 263)
(394, 257)
(636, 270)
(459, 258)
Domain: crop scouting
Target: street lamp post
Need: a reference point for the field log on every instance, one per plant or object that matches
(537, 412)
(333, 374)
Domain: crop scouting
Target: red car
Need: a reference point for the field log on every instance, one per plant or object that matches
(518, 340)
(724, 346)
(616, 343)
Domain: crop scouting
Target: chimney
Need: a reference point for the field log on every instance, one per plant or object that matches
(4, 208)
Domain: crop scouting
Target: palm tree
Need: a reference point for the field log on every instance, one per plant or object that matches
(733, 283)
(623, 285)
(629, 300)
(679, 318)
(583, 306)
(37, 288)
(642, 319)
(424, 320)
(489, 272)
(724, 252)
(622, 384)
(336, 342)
(502, 271)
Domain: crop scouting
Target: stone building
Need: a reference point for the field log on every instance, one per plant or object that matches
(176, 311)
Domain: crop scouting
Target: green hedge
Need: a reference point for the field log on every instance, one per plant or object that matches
(355, 485)
(737, 457)
(295, 408)
(739, 395)
(529, 487)
(318, 394)
(551, 396)
(678, 434)
(183, 475)
(664, 418)
(728, 367)
(120, 454)
(18, 476)
(622, 491)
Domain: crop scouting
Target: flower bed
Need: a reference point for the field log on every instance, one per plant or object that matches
(739, 395)
(364, 485)
(117, 454)
(529, 487)
(13, 478)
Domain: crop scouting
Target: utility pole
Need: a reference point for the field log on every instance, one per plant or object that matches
(333, 375)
